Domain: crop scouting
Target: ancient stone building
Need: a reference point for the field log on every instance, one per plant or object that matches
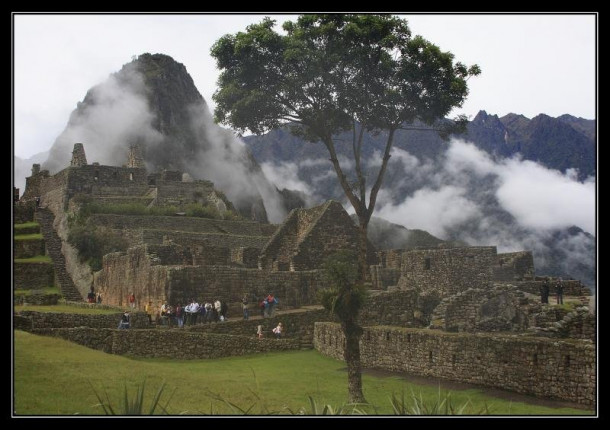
(308, 236)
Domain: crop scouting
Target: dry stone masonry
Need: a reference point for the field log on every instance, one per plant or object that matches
(563, 370)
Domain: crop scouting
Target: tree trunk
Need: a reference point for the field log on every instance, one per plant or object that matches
(362, 251)
(352, 332)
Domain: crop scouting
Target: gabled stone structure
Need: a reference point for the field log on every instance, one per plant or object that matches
(308, 237)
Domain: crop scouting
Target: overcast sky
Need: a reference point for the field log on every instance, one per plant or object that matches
(530, 64)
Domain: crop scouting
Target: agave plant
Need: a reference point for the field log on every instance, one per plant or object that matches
(443, 405)
(133, 405)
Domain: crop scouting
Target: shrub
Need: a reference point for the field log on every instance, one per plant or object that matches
(93, 243)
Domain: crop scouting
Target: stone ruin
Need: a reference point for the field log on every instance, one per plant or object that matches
(466, 290)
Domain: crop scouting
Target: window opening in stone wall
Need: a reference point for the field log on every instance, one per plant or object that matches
(430, 356)
(535, 359)
(427, 263)
(408, 337)
(131, 176)
(114, 175)
(368, 335)
(96, 175)
(387, 335)
(567, 361)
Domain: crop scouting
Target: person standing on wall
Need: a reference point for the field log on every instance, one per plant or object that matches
(149, 308)
(132, 300)
(544, 291)
(124, 323)
(559, 291)
(278, 331)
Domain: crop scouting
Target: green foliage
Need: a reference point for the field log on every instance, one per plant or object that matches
(345, 296)
(327, 409)
(328, 71)
(132, 405)
(94, 242)
(36, 259)
(441, 405)
(196, 210)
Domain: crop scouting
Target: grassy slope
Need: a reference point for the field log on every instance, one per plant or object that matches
(52, 376)
(32, 236)
(37, 259)
(65, 309)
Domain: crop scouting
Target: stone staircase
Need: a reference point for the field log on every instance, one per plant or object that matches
(45, 218)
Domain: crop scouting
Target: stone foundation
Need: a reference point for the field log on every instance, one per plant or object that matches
(564, 370)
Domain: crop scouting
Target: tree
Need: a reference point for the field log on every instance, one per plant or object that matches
(345, 298)
(334, 73)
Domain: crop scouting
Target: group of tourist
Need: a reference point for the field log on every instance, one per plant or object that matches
(545, 289)
(93, 298)
(191, 314)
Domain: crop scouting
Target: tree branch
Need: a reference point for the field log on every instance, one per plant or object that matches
(356, 203)
(379, 181)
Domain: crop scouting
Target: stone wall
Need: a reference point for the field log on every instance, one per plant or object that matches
(382, 278)
(134, 271)
(298, 326)
(447, 271)
(513, 266)
(44, 320)
(230, 284)
(578, 324)
(28, 248)
(570, 287)
(145, 275)
(23, 211)
(501, 308)
(28, 276)
(558, 369)
(334, 230)
(400, 308)
(193, 240)
(175, 344)
(36, 299)
(185, 224)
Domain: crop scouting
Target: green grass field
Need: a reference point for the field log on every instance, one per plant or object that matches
(55, 377)
(37, 259)
(45, 290)
(31, 236)
(25, 225)
(65, 309)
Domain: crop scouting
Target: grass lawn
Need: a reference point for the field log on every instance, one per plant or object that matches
(65, 309)
(32, 236)
(36, 259)
(53, 377)
(45, 290)
(25, 225)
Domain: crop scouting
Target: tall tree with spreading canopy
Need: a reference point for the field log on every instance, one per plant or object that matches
(334, 73)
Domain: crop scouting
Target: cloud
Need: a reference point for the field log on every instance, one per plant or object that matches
(115, 116)
(536, 196)
(432, 210)
(286, 176)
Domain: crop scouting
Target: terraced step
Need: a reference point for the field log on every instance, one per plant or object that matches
(45, 218)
